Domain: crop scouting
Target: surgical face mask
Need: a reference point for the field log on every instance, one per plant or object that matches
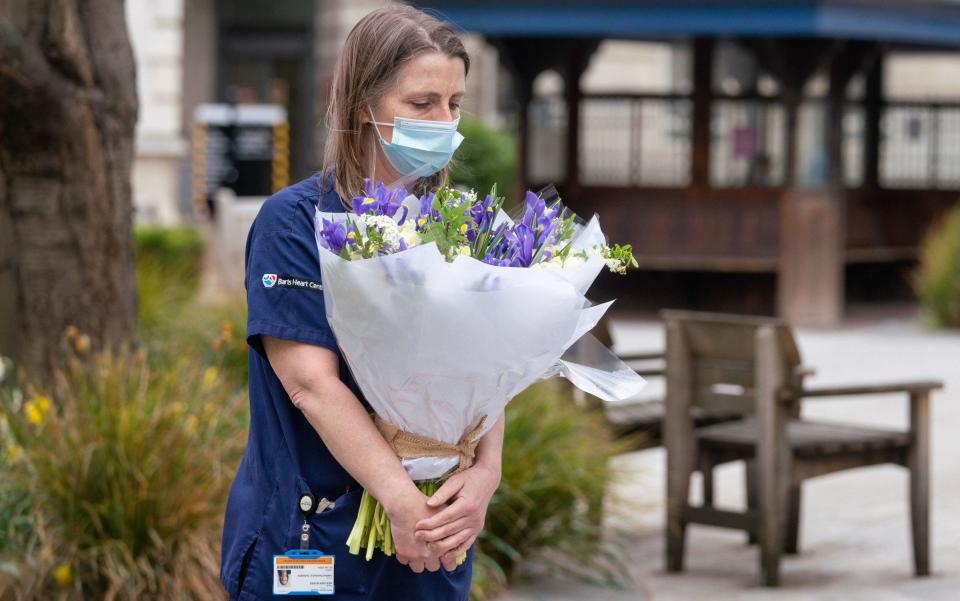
(419, 148)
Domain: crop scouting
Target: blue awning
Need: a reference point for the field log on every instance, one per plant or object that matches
(924, 22)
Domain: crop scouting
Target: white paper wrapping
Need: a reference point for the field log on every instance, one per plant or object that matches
(434, 345)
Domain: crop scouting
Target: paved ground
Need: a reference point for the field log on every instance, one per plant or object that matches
(855, 537)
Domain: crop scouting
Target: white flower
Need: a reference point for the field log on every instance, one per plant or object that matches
(614, 265)
(574, 261)
(388, 229)
(409, 234)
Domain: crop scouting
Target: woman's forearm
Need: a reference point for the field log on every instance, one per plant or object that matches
(351, 436)
(310, 375)
(489, 452)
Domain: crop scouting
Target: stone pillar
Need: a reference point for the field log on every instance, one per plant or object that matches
(810, 288)
(157, 37)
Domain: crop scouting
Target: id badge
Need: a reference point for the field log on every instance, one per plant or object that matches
(303, 572)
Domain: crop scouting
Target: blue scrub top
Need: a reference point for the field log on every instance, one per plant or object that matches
(285, 456)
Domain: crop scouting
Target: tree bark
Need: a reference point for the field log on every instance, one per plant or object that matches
(68, 108)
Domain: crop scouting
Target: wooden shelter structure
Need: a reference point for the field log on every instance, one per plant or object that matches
(734, 204)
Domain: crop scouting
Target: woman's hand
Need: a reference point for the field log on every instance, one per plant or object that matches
(404, 513)
(451, 531)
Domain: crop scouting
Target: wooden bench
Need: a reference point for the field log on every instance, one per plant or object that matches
(751, 366)
(641, 421)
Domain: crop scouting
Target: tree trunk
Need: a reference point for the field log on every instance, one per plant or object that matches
(68, 107)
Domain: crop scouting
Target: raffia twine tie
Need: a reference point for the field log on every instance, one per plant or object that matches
(412, 446)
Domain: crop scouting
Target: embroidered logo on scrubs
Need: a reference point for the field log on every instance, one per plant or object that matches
(272, 280)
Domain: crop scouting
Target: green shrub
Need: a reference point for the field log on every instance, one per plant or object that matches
(549, 505)
(485, 157)
(173, 320)
(126, 468)
(173, 248)
(169, 262)
(938, 281)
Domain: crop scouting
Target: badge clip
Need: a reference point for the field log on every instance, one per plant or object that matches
(308, 506)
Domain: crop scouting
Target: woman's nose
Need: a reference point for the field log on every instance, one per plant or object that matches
(443, 113)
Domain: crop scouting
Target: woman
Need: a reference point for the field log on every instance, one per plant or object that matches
(310, 431)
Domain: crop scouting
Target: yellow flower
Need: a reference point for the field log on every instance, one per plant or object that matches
(209, 377)
(351, 235)
(463, 228)
(63, 574)
(369, 200)
(36, 409)
(13, 453)
(421, 221)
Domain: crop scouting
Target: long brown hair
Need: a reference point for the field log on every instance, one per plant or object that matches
(372, 56)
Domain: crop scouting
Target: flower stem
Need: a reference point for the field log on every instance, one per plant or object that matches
(372, 530)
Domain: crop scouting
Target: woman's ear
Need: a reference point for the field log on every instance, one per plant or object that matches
(366, 113)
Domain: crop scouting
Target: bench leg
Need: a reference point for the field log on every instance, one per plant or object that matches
(706, 469)
(752, 503)
(792, 542)
(676, 531)
(771, 535)
(918, 460)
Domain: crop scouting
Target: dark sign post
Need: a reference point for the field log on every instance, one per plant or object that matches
(242, 147)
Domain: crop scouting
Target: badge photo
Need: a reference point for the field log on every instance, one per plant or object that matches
(303, 572)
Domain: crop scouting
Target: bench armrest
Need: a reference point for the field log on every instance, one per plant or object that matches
(648, 373)
(628, 357)
(913, 387)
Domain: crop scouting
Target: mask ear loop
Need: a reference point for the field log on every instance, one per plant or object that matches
(373, 119)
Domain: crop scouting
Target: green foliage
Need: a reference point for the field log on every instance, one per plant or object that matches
(486, 157)
(938, 281)
(168, 266)
(93, 465)
(549, 505)
(450, 233)
(173, 321)
(126, 467)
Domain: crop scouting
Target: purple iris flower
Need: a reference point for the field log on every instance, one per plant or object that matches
(426, 203)
(333, 235)
(521, 239)
(533, 210)
(378, 199)
(482, 213)
(502, 262)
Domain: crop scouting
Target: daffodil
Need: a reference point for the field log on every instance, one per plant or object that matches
(209, 377)
(12, 453)
(36, 408)
(63, 574)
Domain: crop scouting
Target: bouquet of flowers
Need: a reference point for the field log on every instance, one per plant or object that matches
(445, 307)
